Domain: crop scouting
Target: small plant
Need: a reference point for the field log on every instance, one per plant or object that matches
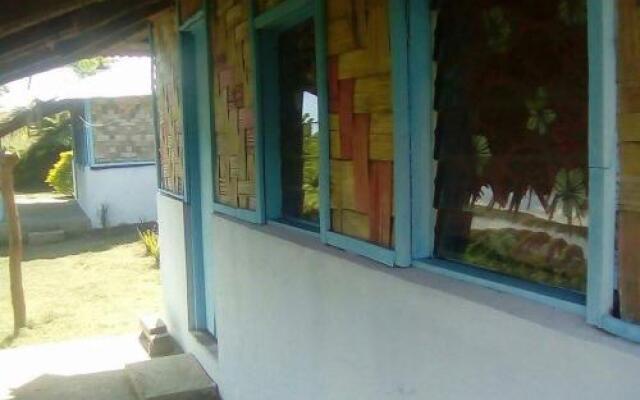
(60, 176)
(149, 238)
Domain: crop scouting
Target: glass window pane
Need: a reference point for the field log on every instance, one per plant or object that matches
(512, 137)
(299, 147)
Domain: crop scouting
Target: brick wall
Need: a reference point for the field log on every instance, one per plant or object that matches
(122, 129)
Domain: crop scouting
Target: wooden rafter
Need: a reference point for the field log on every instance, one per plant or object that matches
(84, 32)
(19, 15)
(25, 116)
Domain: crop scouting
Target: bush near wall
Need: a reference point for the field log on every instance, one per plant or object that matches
(60, 177)
(39, 147)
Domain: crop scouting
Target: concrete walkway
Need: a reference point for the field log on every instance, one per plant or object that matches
(44, 212)
(91, 369)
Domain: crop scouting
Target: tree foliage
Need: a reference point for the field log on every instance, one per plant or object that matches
(90, 66)
(39, 147)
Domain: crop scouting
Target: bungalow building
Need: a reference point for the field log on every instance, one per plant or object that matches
(401, 199)
(114, 160)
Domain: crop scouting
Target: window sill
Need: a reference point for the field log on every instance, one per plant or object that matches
(557, 298)
(250, 216)
(284, 224)
(624, 329)
(206, 340)
(122, 165)
(171, 195)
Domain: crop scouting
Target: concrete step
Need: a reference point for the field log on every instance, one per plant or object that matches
(55, 215)
(38, 238)
(178, 377)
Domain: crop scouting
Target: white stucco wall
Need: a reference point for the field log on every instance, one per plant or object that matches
(128, 192)
(298, 320)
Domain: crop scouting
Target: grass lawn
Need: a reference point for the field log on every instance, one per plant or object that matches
(97, 284)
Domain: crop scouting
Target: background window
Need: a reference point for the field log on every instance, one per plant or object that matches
(512, 138)
(299, 147)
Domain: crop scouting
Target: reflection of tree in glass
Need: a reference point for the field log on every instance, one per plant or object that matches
(511, 95)
(311, 151)
(570, 190)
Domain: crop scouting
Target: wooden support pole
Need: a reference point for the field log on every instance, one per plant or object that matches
(8, 162)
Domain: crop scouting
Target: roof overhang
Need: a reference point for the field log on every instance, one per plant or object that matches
(38, 35)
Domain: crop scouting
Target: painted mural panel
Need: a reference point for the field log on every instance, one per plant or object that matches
(233, 98)
(168, 102)
(511, 96)
(122, 129)
(629, 128)
(361, 119)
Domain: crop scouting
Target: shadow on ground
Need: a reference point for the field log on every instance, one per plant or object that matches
(107, 385)
(93, 241)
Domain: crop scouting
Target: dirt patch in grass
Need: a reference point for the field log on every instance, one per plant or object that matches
(97, 284)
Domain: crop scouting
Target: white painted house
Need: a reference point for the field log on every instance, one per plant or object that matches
(114, 161)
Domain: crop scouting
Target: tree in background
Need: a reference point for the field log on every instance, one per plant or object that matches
(91, 66)
(39, 146)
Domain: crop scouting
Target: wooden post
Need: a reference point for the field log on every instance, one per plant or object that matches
(8, 162)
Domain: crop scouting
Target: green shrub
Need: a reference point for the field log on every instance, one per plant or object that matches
(149, 238)
(60, 177)
(39, 146)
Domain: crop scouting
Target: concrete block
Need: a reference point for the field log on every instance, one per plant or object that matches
(171, 378)
(153, 325)
(159, 345)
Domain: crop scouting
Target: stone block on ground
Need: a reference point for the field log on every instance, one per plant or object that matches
(177, 377)
(159, 345)
(153, 325)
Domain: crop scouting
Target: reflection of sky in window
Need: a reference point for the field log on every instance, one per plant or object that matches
(310, 106)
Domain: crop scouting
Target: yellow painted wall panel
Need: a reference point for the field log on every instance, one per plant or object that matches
(373, 95)
(630, 159)
(629, 127)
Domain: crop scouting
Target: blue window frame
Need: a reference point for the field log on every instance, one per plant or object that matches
(265, 29)
(291, 148)
(596, 305)
(411, 43)
(196, 95)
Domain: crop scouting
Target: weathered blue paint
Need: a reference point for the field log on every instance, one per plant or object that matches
(421, 109)
(602, 159)
(198, 145)
(269, 96)
(399, 24)
(621, 328)
(362, 248)
(324, 184)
